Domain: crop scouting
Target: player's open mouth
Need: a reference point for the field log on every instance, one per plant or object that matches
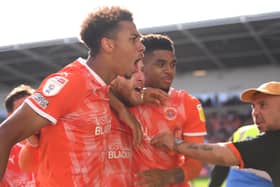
(138, 89)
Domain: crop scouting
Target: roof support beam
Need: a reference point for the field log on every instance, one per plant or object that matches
(259, 41)
(200, 45)
(40, 58)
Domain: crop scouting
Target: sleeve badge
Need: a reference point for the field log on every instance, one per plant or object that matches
(200, 112)
(54, 85)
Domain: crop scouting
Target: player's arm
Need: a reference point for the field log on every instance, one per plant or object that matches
(192, 167)
(216, 153)
(126, 117)
(194, 131)
(21, 124)
(160, 177)
(219, 173)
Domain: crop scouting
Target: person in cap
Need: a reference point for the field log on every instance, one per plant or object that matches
(234, 176)
(261, 152)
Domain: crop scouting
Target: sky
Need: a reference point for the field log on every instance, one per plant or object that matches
(27, 21)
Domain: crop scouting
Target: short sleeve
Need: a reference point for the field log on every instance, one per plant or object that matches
(195, 123)
(56, 95)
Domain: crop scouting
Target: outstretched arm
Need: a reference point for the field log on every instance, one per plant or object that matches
(219, 174)
(217, 153)
(192, 167)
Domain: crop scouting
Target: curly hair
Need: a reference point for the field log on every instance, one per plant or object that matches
(102, 23)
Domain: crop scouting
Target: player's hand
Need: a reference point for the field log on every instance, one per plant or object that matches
(127, 91)
(160, 177)
(153, 95)
(165, 141)
(134, 94)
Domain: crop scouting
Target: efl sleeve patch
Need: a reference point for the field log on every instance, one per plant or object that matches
(54, 85)
(200, 112)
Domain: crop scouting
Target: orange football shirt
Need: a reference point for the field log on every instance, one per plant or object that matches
(118, 163)
(13, 175)
(182, 114)
(79, 148)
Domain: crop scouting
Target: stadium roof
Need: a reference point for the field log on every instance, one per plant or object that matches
(220, 44)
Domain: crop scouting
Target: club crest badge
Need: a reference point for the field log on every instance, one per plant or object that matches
(54, 85)
(170, 113)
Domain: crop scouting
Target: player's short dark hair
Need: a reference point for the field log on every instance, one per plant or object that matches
(157, 42)
(102, 23)
(17, 93)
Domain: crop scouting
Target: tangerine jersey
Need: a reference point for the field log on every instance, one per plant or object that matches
(182, 114)
(13, 175)
(118, 163)
(79, 148)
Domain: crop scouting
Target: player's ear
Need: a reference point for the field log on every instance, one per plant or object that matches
(107, 44)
